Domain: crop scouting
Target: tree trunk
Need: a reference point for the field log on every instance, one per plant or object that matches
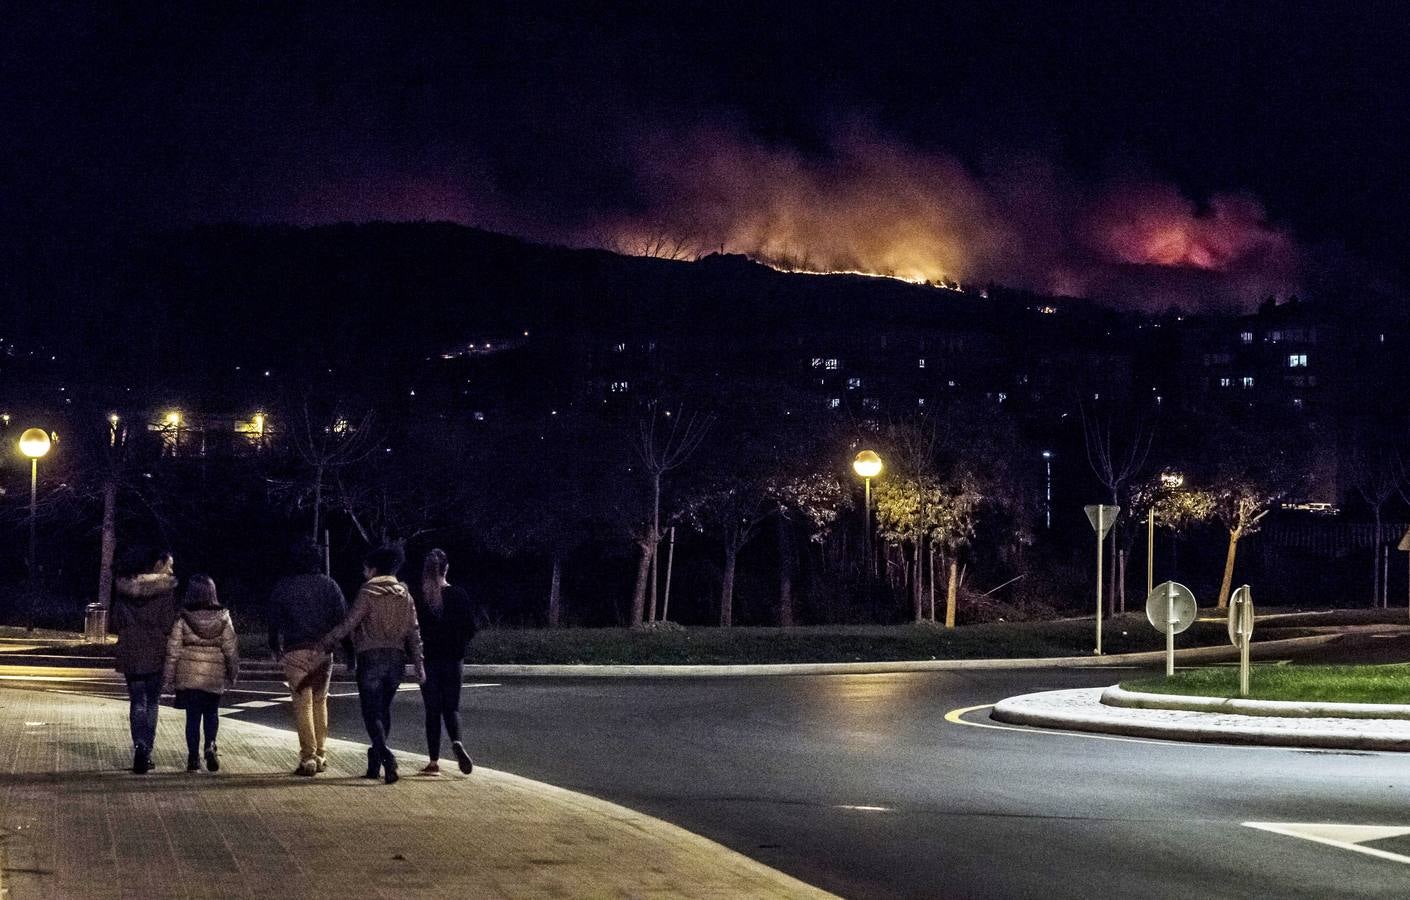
(1377, 595)
(930, 553)
(952, 591)
(1228, 583)
(918, 586)
(317, 502)
(555, 592)
(727, 587)
(655, 539)
(786, 565)
(643, 572)
(1121, 580)
(109, 545)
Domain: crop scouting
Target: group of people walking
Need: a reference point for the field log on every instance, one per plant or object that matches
(190, 650)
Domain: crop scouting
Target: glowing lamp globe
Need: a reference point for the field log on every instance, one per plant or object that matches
(867, 464)
(35, 443)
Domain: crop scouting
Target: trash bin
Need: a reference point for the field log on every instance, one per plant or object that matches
(95, 623)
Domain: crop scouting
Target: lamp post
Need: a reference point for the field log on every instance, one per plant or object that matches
(34, 443)
(1048, 494)
(1170, 481)
(868, 465)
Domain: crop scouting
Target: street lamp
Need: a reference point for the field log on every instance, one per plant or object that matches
(34, 443)
(1170, 481)
(1048, 495)
(868, 465)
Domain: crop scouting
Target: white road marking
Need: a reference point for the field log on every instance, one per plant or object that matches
(864, 808)
(257, 704)
(1347, 837)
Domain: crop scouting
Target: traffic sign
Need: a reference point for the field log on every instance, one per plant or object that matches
(1102, 517)
(1171, 607)
(1241, 631)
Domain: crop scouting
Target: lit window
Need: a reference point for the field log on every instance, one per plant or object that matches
(1297, 360)
(620, 387)
(817, 362)
(1246, 337)
(1226, 382)
(834, 403)
(870, 403)
(920, 363)
(829, 364)
(853, 383)
(1247, 381)
(920, 401)
(1002, 396)
(619, 348)
(1297, 402)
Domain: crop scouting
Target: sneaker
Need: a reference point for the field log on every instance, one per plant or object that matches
(193, 763)
(374, 765)
(141, 760)
(307, 767)
(212, 758)
(432, 768)
(389, 768)
(320, 763)
(467, 765)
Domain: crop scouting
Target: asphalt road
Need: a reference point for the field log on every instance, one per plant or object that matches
(860, 785)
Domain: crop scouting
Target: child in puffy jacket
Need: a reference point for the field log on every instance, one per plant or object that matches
(202, 660)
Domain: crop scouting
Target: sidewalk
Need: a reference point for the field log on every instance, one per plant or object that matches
(1082, 709)
(77, 825)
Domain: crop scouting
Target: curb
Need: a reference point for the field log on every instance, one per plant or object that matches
(1081, 710)
(1259, 650)
(1290, 709)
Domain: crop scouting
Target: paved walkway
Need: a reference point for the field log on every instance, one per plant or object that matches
(1081, 709)
(76, 825)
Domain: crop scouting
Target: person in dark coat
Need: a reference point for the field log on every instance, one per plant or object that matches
(447, 624)
(304, 607)
(144, 609)
(202, 659)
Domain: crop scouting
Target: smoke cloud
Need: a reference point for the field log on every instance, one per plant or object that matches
(873, 204)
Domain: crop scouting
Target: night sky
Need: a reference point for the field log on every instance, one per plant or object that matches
(1026, 142)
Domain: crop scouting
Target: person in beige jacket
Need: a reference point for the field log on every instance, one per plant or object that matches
(202, 659)
(384, 633)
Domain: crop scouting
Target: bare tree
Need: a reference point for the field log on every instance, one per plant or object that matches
(1118, 448)
(665, 439)
(327, 444)
(1377, 472)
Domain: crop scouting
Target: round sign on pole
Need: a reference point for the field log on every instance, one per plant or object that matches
(1241, 616)
(1171, 608)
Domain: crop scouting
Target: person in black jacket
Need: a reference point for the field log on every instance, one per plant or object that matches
(143, 612)
(306, 605)
(447, 625)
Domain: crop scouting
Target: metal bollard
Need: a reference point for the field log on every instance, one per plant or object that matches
(95, 623)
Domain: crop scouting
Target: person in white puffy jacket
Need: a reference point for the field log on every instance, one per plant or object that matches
(202, 661)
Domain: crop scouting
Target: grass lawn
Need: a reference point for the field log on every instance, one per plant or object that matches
(1332, 684)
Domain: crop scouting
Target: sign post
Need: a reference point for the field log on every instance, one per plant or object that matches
(1102, 518)
(1171, 609)
(1241, 631)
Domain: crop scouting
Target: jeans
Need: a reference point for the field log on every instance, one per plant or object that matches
(379, 674)
(143, 694)
(441, 695)
(202, 707)
(308, 673)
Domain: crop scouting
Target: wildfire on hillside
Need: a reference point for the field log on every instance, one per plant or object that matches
(877, 207)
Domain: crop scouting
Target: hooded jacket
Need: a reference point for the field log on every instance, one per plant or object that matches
(142, 614)
(202, 653)
(383, 617)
